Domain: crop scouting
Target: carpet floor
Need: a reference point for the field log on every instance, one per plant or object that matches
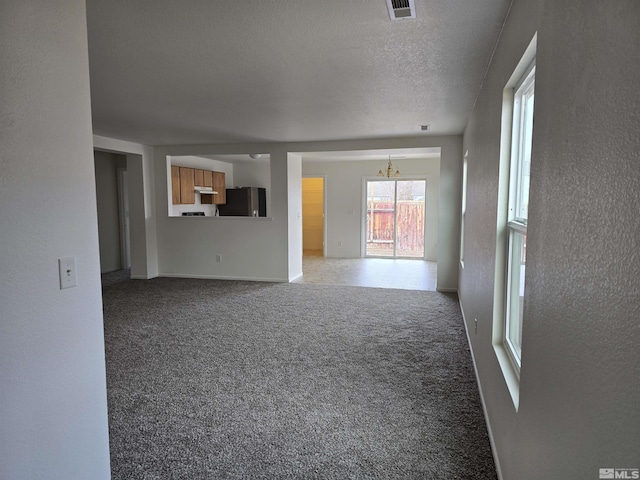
(246, 380)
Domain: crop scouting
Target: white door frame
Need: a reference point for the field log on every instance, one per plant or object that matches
(123, 216)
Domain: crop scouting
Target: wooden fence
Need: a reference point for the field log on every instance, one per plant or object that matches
(410, 229)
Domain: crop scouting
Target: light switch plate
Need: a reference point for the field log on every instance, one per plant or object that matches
(67, 269)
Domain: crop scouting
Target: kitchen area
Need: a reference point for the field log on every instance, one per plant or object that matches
(233, 186)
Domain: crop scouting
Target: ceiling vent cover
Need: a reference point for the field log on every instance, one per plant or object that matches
(401, 9)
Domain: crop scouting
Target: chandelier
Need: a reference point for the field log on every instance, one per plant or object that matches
(389, 171)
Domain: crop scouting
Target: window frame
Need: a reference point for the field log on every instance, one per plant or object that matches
(520, 147)
(507, 222)
(519, 167)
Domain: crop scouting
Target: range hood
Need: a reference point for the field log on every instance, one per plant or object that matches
(205, 190)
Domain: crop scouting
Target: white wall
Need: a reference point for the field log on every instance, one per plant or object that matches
(106, 165)
(579, 384)
(255, 174)
(294, 195)
(345, 196)
(53, 404)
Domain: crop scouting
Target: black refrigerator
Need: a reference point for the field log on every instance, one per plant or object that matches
(245, 202)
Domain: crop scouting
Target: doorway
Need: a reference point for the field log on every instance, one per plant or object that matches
(113, 211)
(313, 216)
(395, 218)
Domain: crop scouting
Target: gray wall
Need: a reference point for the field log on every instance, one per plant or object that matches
(106, 165)
(53, 403)
(579, 385)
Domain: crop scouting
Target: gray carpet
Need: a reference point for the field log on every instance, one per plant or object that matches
(110, 278)
(241, 380)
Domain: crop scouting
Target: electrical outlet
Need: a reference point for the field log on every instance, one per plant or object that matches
(476, 325)
(339, 243)
(67, 271)
(218, 258)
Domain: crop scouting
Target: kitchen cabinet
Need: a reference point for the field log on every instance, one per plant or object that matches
(187, 184)
(220, 186)
(175, 185)
(208, 178)
(185, 179)
(198, 177)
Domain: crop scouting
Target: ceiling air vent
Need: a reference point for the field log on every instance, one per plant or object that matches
(401, 9)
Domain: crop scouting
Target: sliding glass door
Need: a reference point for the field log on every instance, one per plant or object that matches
(395, 224)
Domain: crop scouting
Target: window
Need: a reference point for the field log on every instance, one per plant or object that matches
(518, 210)
(516, 137)
(464, 206)
(395, 218)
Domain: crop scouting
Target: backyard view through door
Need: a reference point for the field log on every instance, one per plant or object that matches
(395, 225)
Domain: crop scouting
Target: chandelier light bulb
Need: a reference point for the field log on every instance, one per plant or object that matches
(389, 171)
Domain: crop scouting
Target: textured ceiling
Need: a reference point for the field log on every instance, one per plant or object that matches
(209, 71)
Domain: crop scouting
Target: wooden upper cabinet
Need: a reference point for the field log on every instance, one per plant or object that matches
(220, 186)
(175, 184)
(198, 177)
(187, 179)
(208, 182)
(208, 178)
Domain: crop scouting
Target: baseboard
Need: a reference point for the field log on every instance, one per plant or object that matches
(222, 277)
(494, 451)
(447, 290)
(295, 278)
